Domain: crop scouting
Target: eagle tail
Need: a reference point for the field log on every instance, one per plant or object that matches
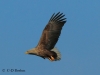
(58, 53)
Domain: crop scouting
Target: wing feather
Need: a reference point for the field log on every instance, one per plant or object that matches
(55, 16)
(52, 31)
(52, 17)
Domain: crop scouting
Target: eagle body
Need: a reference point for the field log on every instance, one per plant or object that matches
(46, 46)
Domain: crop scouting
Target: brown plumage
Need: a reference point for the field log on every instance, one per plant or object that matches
(49, 38)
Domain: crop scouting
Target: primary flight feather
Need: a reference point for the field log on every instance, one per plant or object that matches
(46, 46)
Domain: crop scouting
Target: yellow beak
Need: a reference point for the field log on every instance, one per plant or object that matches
(26, 52)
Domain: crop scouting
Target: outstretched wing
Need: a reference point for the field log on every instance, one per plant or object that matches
(52, 31)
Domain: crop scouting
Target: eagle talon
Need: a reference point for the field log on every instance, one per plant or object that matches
(50, 59)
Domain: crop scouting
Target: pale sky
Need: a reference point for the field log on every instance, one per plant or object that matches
(21, 26)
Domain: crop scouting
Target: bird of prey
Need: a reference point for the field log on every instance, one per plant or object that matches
(46, 46)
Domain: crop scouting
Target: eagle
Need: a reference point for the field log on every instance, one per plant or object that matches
(50, 35)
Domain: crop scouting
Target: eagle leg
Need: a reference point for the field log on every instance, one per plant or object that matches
(51, 58)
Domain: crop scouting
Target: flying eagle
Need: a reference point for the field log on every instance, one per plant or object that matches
(46, 46)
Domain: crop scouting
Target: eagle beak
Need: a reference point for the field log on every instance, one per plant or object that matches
(26, 52)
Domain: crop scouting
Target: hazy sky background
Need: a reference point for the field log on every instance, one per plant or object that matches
(21, 25)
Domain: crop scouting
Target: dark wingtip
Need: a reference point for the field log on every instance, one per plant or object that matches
(59, 17)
